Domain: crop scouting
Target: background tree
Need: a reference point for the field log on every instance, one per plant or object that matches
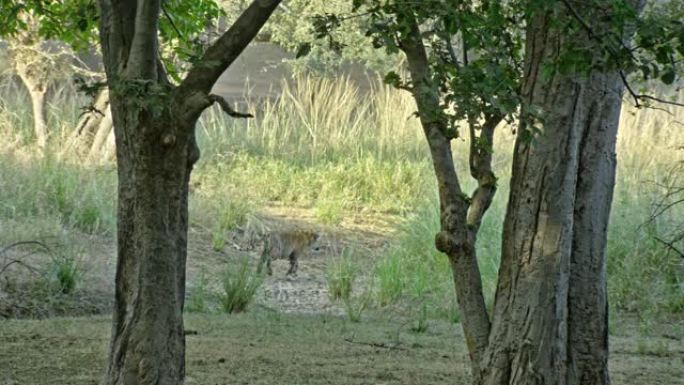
(466, 67)
(38, 62)
(154, 122)
(291, 29)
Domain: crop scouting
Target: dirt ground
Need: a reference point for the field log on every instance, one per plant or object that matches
(293, 334)
(266, 347)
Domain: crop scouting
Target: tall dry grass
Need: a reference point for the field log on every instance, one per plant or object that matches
(326, 145)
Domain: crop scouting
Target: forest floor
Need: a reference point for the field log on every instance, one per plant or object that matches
(267, 347)
(293, 333)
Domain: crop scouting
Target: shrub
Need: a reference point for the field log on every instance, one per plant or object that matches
(239, 284)
(340, 276)
(66, 272)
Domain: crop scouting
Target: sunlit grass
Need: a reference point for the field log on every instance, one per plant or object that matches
(326, 146)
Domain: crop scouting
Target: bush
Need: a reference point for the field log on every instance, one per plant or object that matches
(67, 273)
(198, 298)
(240, 284)
(340, 276)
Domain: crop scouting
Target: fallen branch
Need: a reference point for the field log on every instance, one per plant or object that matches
(18, 262)
(41, 244)
(670, 246)
(376, 344)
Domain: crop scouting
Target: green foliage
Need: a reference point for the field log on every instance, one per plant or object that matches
(329, 211)
(239, 284)
(183, 26)
(292, 29)
(72, 21)
(199, 295)
(340, 276)
(81, 198)
(412, 268)
(420, 325)
(475, 52)
(475, 48)
(66, 273)
(354, 306)
(230, 212)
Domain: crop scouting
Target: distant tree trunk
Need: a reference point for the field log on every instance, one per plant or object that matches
(37, 88)
(93, 124)
(154, 125)
(104, 129)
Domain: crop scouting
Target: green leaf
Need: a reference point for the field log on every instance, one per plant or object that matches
(668, 77)
(392, 78)
(303, 50)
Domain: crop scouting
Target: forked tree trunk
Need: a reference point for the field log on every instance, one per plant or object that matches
(87, 126)
(154, 126)
(104, 129)
(550, 319)
(460, 215)
(549, 323)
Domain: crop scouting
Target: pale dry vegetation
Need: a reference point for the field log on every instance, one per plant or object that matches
(341, 155)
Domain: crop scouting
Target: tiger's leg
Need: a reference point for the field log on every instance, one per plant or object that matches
(293, 263)
(269, 270)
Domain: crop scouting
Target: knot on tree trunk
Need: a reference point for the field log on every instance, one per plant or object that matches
(168, 139)
(447, 243)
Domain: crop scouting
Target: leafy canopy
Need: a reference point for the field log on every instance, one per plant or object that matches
(476, 47)
(183, 25)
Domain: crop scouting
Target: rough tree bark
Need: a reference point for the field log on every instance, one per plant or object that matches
(156, 151)
(551, 312)
(549, 323)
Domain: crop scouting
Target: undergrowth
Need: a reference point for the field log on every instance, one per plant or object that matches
(325, 145)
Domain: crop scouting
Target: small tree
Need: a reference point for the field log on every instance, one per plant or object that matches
(38, 63)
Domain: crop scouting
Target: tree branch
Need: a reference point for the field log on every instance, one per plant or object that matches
(142, 62)
(670, 246)
(226, 107)
(220, 55)
(454, 237)
(481, 169)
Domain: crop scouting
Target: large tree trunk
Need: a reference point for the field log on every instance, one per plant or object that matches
(550, 319)
(154, 126)
(588, 295)
(148, 343)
